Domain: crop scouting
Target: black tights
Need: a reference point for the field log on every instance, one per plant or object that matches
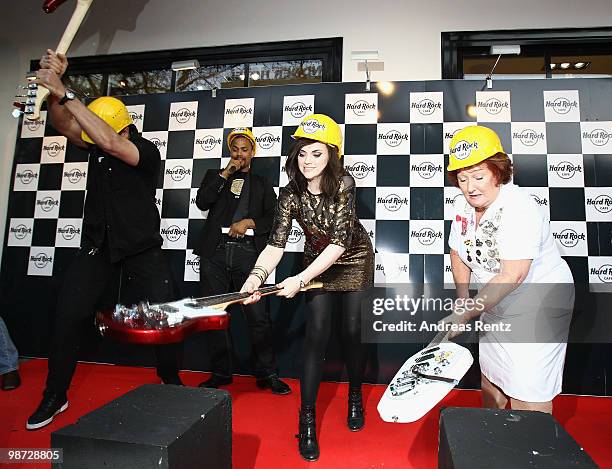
(323, 307)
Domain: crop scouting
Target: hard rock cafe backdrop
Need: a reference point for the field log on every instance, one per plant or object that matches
(558, 133)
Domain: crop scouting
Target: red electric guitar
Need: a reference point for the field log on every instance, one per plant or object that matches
(172, 322)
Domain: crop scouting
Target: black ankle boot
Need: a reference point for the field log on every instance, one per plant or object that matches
(308, 445)
(355, 419)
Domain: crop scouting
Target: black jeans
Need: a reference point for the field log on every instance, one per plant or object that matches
(224, 272)
(145, 277)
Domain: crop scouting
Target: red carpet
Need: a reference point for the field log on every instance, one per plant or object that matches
(264, 425)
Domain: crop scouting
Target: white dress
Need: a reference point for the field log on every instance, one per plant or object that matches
(527, 362)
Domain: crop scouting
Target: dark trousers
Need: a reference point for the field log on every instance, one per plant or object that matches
(322, 310)
(145, 277)
(224, 272)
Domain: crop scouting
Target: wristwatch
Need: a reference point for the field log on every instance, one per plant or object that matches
(69, 95)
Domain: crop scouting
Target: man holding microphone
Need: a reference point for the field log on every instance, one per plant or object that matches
(241, 209)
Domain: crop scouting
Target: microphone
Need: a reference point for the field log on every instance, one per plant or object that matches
(49, 6)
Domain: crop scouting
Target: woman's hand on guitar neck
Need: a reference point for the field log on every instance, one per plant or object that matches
(55, 62)
(251, 284)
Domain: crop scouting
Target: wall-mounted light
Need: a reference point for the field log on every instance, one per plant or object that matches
(366, 58)
(254, 76)
(385, 87)
(191, 64)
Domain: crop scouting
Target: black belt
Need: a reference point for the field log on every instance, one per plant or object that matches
(225, 238)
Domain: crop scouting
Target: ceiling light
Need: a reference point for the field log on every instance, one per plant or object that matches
(241, 76)
(255, 76)
(580, 65)
(200, 87)
(553, 66)
(122, 83)
(565, 65)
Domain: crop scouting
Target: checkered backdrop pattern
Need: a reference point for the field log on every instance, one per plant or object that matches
(558, 133)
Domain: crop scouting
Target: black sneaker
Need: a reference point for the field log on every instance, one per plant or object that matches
(273, 383)
(51, 405)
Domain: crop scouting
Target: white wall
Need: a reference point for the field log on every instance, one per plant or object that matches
(406, 33)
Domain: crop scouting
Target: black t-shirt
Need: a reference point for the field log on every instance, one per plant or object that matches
(120, 209)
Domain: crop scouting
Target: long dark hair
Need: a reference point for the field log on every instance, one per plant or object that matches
(330, 177)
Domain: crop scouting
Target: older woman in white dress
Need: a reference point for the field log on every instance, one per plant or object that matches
(501, 241)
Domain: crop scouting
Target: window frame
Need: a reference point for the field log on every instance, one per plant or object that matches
(547, 42)
(328, 50)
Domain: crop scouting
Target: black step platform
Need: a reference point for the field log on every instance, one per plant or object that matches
(153, 426)
(506, 439)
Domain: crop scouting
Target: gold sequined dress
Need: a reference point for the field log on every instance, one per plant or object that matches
(327, 222)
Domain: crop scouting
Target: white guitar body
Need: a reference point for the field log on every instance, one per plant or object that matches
(409, 396)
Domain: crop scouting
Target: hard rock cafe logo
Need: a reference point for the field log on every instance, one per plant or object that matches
(158, 201)
(208, 142)
(68, 232)
(598, 137)
(452, 200)
(53, 149)
(528, 137)
(173, 233)
(426, 236)
(604, 273)
(34, 125)
(136, 117)
(41, 260)
(393, 202)
(178, 173)
(360, 107)
(463, 149)
(47, 204)
(194, 264)
(27, 176)
(493, 106)
(602, 203)
(541, 201)
(158, 142)
(295, 235)
(75, 175)
(448, 269)
(450, 135)
(183, 115)
(312, 126)
(359, 170)
(426, 169)
(561, 105)
(565, 169)
(393, 138)
(267, 141)
(569, 238)
(298, 109)
(20, 231)
(426, 107)
(240, 110)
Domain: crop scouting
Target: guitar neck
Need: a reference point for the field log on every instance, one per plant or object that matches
(73, 25)
(226, 299)
(440, 337)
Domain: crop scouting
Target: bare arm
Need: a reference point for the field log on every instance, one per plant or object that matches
(99, 131)
(461, 275)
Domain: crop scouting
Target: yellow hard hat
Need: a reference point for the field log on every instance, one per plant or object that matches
(242, 132)
(110, 110)
(472, 145)
(321, 128)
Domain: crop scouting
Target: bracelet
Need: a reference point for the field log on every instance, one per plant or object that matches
(261, 270)
(258, 276)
